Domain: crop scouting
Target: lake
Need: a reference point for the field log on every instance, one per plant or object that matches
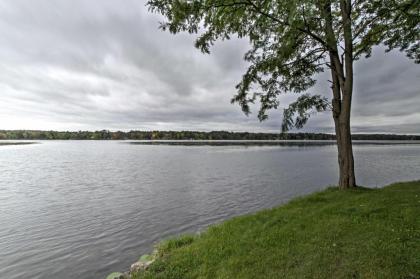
(82, 209)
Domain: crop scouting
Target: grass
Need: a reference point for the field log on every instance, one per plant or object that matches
(361, 233)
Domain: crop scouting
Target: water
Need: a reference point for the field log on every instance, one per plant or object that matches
(81, 209)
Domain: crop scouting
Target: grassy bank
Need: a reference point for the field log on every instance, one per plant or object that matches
(361, 233)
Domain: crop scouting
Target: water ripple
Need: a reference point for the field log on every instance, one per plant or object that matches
(83, 209)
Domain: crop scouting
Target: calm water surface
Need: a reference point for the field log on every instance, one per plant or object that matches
(81, 209)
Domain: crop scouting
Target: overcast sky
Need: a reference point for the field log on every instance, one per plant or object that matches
(102, 64)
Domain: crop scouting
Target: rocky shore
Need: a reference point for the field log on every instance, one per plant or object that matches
(142, 264)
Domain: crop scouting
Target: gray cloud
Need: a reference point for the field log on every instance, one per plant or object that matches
(72, 65)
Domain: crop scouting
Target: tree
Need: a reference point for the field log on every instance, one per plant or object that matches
(293, 40)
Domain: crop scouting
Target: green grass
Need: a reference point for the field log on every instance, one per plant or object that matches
(361, 233)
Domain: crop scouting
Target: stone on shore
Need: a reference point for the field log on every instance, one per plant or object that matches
(140, 265)
(116, 275)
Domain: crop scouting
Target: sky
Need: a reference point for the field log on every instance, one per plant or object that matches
(104, 64)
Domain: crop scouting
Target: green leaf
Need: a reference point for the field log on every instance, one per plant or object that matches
(299, 112)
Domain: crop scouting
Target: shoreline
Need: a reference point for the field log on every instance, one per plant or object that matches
(171, 254)
(2, 143)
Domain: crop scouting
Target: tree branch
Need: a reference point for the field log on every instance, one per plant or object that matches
(273, 18)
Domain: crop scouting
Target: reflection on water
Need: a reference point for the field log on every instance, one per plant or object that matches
(232, 143)
(264, 142)
(81, 209)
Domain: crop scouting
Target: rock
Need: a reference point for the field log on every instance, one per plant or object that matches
(140, 265)
(117, 275)
(146, 258)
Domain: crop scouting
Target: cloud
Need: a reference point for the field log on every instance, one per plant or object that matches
(104, 64)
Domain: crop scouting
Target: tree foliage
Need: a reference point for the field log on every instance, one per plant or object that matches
(290, 41)
(303, 108)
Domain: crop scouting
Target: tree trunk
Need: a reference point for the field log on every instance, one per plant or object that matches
(342, 88)
(345, 147)
(347, 178)
(341, 115)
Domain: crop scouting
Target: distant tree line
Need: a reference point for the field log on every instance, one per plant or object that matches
(183, 135)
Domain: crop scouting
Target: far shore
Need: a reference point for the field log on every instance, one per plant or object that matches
(16, 143)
